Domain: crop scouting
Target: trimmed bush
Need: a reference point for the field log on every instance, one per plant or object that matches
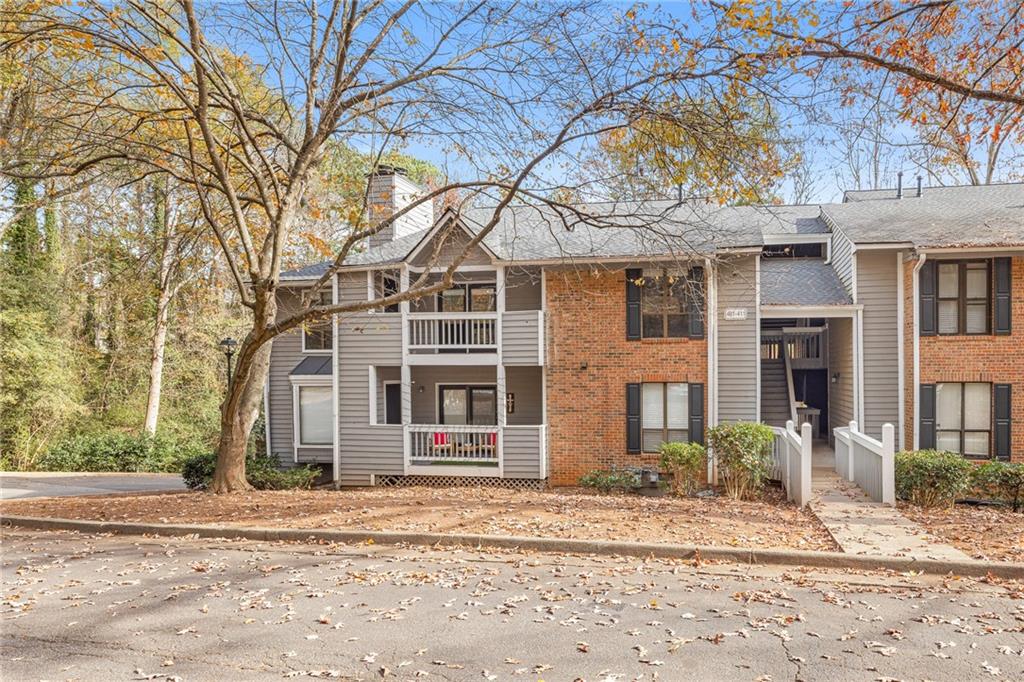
(608, 481)
(931, 478)
(687, 462)
(1000, 481)
(261, 471)
(113, 451)
(743, 452)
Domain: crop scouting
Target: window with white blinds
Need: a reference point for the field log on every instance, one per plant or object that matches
(664, 414)
(963, 418)
(964, 297)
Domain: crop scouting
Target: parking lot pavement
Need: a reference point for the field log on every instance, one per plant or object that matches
(114, 607)
(15, 486)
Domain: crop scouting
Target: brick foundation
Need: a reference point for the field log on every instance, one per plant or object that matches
(589, 363)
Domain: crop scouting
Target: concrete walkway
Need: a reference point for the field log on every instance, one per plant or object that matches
(18, 485)
(863, 526)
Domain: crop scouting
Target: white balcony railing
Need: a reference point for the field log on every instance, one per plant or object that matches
(453, 331)
(453, 444)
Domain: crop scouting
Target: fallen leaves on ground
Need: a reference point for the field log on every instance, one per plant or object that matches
(991, 533)
(562, 513)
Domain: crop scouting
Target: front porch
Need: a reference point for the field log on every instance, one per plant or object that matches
(459, 420)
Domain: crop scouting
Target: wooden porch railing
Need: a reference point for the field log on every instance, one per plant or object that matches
(453, 444)
(453, 331)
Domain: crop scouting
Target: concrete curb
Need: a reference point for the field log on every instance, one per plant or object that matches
(778, 557)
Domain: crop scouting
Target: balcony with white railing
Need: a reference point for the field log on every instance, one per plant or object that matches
(433, 333)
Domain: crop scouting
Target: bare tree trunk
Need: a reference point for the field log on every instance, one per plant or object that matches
(165, 275)
(241, 407)
(156, 360)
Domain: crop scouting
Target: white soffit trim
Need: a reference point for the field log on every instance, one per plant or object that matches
(815, 238)
(783, 311)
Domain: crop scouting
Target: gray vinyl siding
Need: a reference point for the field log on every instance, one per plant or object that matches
(520, 338)
(365, 339)
(877, 286)
(521, 454)
(527, 384)
(451, 249)
(737, 341)
(842, 259)
(522, 289)
(285, 354)
(840, 358)
(385, 374)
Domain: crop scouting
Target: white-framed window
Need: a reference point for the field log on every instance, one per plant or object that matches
(317, 337)
(963, 418)
(313, 415)
(664, 414)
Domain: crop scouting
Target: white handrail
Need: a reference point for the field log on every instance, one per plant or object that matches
(791, 454)
(870, 463)
(454, 316)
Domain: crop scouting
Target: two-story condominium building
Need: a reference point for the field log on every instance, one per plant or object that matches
(568, 344)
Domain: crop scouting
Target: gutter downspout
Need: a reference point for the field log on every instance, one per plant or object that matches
(917, 347)
(711, 280)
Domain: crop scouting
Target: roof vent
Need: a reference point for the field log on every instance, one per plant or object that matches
(918, 185)
(899, 185)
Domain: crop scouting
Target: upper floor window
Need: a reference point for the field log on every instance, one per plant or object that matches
(964, 297)
(664, 306)
(318, 336)
(386, 284)
(477, 298)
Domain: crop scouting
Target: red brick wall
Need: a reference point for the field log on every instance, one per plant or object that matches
(589, 363)
(995, 359)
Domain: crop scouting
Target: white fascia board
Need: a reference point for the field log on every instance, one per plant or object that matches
(784, 311)
(781, 239)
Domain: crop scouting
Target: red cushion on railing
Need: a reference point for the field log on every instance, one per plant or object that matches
(440, 438)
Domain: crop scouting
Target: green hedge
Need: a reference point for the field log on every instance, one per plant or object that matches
(687, 462)
(261, 471)
(1000, 481)
(932, 478)
(607, 481)
(743, 452)
(113, 451)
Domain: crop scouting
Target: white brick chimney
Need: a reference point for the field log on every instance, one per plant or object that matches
(391, 190)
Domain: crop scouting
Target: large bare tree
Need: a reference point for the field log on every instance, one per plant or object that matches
(239, 102)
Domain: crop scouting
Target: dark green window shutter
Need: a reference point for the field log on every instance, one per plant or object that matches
(697, 413)
(633, 417)
(1003, 302)
(927, 286)
(633, 304)
(1002, 420)
(926, 420)
(695, 301)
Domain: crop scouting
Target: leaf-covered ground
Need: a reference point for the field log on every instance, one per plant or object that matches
(93, 607)
(558, 513)
(981, 532)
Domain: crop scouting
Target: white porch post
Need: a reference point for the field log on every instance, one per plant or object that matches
(406, 370)
(500, 369)
(888, 465)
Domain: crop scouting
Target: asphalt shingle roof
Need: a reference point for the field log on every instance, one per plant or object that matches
(318, 365)
(801, 281)
(991, 215)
